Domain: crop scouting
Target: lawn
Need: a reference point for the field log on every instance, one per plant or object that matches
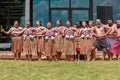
(61, 70)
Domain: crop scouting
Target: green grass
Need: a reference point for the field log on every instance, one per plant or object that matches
(61, 70)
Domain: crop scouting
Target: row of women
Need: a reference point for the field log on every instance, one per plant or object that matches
(68, 40)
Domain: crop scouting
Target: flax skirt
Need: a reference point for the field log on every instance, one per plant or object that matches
(69, 47)
(59, 43)
(16, 44)
(28, 46)
(39, 44)
(50, 47)
(86, 45)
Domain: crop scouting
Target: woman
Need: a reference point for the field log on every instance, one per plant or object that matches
(77, 40)
(69, 47)
(16, 39)
(91, 40)
(85, 41)
(50, 44)
(28, 41)
(39, 39)
(59, 38)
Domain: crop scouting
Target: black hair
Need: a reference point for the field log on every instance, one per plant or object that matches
(111, 20)
(40, 22)
(69, 20)
(60, 21)
(78, 21)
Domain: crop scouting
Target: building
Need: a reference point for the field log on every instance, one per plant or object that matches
(51, 10)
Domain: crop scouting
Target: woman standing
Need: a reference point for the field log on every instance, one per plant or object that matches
(16, 39)
(39, 39)
(77, 40)
(90, 40)
(59, 38)
(85, 41)
(28, 41)
(50, 44)
(69, 47)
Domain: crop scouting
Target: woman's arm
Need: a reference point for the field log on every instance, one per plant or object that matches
(7, 32)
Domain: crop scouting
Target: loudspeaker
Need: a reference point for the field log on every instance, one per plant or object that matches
(104, 13)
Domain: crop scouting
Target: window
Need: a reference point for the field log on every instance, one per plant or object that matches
(59, 3)
(80, 3)
(79, 15)
(40, 11)
(52, 10)
(59, 14)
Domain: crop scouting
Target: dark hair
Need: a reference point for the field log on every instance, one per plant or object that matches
(78, 22)
(85, 22)
(91, 21)
(40, 22)
(69, 21)
(60, 21)
(111, 20)
(49, 22)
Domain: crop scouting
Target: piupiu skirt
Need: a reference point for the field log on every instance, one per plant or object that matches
(28, 45)
(50, 47)
(39, 44)
(86, 45)
(16, 44)
(69, 47)
(59, 43)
